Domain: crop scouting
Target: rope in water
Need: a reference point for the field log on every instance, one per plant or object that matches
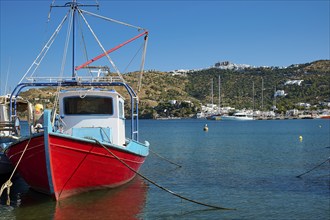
(313, 168)
(8, 183)
(160, 156)
(159, 186)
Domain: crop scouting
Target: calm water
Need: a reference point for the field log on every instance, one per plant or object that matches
(250, 166)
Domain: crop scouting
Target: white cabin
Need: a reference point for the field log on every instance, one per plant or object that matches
(93, 108)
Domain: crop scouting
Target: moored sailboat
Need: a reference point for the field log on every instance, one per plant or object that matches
(238, 116)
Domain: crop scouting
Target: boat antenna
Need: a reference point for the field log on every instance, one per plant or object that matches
(50, 10)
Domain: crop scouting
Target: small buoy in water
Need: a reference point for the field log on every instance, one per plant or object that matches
(300, 138)
(205, 128)
(320, 126)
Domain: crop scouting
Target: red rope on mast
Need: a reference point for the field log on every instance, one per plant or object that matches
(110, 51)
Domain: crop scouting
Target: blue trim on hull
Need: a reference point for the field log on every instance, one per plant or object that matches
(47, 130)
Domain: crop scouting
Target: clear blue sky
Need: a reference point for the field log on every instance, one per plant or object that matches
(183, 34)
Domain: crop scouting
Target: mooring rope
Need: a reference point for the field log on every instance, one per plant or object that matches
(313, 168)
(160, 156)
(159, 186)
(8, 183)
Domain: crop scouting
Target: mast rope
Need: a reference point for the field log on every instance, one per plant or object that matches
(143, 62)
(83, 42)
(164, 158)
(156, 184)
(98, 41)
(65, 52)
(8, 183)
(66, 45)
(45, 49)
(130, 62)
(112, 20)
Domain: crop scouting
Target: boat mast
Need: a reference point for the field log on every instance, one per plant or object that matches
(212, 91)
(262, 93)
(253, 96)
(219, 95)
(73, 8)
(274, 98)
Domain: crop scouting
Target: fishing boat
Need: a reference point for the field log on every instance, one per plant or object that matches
(238, 116)
(10, 129)
(80, 144)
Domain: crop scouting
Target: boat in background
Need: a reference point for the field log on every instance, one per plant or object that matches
(238, 116)
(10, 129)
(80, 144)
(214, 117)
(325, 114)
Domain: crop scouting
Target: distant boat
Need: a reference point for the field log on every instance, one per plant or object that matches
(325, 115)
(214, 117)
(9, 129)
(238, 116)
(83, 147)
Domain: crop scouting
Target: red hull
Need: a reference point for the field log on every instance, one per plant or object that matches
(63, 166)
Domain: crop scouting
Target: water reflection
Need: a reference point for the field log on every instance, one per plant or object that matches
(126, 202)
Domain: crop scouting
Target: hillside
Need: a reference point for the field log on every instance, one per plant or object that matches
(237, 86)
(192, 89)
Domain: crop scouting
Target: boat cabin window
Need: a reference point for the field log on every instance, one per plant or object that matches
(121, 110)
(88, 105)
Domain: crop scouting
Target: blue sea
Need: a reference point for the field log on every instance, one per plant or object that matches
(249, 166)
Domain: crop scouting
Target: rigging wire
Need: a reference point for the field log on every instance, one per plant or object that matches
(98, 41)
(83, 42)
(143, 62)
(44, 50)
(112, 20)
(65, 52)
(130, 62)
(66, 46)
